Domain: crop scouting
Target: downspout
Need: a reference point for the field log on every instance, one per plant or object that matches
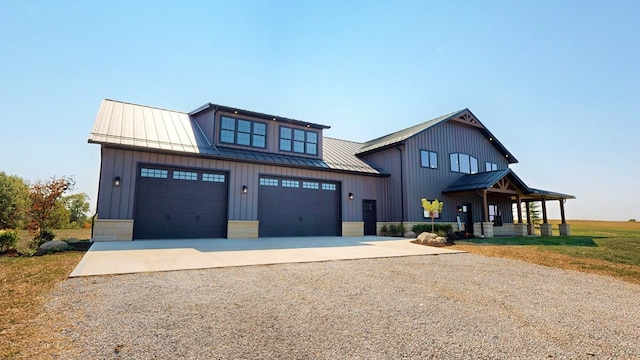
(401, 188)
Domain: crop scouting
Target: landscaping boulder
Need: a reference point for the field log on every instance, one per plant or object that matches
(425, 236)
(437, 241)
(52, 246)
(410, 235)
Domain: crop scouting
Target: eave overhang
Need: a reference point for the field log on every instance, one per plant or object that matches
(254, 114)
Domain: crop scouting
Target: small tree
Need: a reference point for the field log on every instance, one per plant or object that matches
(433, 208)
(78, 206)
(14, 202)
(45, 198)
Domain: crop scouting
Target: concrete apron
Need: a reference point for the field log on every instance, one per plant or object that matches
(104, 258)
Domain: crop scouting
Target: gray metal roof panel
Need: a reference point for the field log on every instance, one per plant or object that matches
(485, 180)
(341, 155)
(403, 134)
(120, 123)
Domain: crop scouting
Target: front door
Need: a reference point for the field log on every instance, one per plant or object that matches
(468, 218)
(369, 216)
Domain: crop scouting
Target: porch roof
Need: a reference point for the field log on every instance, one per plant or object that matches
(502, 181)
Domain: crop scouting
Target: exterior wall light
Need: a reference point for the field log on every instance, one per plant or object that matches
(245, 190)
(350, 196)
(116, 181)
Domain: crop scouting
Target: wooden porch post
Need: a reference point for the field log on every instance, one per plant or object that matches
(564, 221)
(485, 207)
(544, 211)
(519, 205)
(526, 204)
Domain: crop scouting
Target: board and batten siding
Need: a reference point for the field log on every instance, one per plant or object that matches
(119, 202)
(445, 139)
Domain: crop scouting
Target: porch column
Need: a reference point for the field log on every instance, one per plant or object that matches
(519, 206)
(485, 207)
(529, 224)
(565, 230)
(545, 227)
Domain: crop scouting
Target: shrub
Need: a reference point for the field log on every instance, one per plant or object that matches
(393, 229)
(384, 229)
(401, 229)
(8, 240)
(44, 236)
(632, 220)
(437, 228)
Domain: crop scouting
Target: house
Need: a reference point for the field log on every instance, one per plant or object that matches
(224, 172)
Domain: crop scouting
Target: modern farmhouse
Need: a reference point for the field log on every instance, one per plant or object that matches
(224, 172)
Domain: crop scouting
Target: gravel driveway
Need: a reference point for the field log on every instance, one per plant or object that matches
(447, 306)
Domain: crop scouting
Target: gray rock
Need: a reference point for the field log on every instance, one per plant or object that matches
(410, 235)
(52, 246)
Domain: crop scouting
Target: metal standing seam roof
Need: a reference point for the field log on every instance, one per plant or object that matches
(125, 124)
(341, 154)
(404, 134)
(485, 180)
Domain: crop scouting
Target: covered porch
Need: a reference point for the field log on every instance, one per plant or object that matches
(504, 186)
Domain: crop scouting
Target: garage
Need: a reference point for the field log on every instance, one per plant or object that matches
(180, 203)
(298, 207)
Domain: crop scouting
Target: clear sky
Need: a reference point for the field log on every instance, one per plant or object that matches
(557, 82)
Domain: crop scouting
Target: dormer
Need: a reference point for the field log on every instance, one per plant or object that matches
(227, 127)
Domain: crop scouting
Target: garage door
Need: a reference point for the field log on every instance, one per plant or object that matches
(178, 203)
(297, 207)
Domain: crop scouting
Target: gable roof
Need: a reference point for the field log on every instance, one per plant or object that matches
(486, 180)
(464, 116)
(129, 125)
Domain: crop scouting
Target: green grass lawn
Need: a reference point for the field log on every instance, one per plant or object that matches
(604, 247)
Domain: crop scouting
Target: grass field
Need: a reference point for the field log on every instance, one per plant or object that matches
(599, 247)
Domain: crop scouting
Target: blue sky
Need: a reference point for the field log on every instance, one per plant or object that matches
(557, 82)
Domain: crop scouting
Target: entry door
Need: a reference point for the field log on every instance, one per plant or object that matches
(468, 219)
(369, 216)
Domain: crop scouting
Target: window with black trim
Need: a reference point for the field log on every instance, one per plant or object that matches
(494, 215)
(243, 132)
(463, 163)
(489, 166)
(298, 141)
(429, 159)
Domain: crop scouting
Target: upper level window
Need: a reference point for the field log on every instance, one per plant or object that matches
(489, 166)
(243, 132)
(429, 159)
(463, 163)
(299, 141)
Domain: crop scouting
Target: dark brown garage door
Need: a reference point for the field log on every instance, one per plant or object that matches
(178, 203)
(297, 207)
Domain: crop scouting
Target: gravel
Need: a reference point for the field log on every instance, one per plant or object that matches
(459, 306)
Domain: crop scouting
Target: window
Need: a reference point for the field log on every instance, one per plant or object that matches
(494, 215)
(213, 177)
(310, 185)
(489, 166)
(243, 132)
(154, 173)
(463, 163)
(290, 183)
(331, 187)
(185, 175)
(299, 141)
(429, 159)
(268, 182)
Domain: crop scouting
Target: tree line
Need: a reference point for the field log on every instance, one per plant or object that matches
(42, 205)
